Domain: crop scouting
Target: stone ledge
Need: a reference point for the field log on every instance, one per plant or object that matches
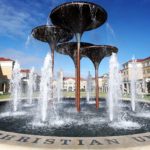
(9, 140)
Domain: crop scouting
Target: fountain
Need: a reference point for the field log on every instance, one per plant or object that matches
(86, 16)
(96, 53)
(133, 83)
(59, 86)
(52, 35)
(55, 124)
(114, 87)
(70, 50)
(31, 85)
(89, 88)
(46, 81)
(15, 86)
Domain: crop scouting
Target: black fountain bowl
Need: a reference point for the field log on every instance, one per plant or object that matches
(78, 16)
(99, 50)
(88, 123)
(49, 33)
(69, 48)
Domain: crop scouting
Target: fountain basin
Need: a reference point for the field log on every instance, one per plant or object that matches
(87, 129)
(23, 135)
(88, 123)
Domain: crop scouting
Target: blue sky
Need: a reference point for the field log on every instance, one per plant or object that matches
(127, 27)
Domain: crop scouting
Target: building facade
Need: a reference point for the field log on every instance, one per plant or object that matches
(69, 84)
(142, 69)
(6, 67)
(139, 71)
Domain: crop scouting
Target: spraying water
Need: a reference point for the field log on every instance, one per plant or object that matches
(133, 83)
(110, 29)
(89, 88)
(28, 41)
(45, 88)
(31, 85)
(59, 86)
(114, 90)
(15, 86)
(48, 21)
(110, 34)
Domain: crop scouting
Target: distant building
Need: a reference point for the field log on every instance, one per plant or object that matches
(6, 67)
(142, 76)
(25, 73)
(69, 84)
(104, 85)
(25, 78)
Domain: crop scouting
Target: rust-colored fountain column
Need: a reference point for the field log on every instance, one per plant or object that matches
(78, 17)
(78, 36)
(97, 86)
(52, 54)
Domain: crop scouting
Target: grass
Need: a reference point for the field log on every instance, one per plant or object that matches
(82, 94)
(147, 97)
(4, 96)
(72, 94)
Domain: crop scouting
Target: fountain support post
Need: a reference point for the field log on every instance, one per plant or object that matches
(52, 46)
(96, 86)
(78, 37)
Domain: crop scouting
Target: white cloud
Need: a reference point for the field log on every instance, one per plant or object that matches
(16, 20)
(25, 60)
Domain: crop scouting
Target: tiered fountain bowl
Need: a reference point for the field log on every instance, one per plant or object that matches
(70, 49)
(90, 128)
(51, 34)
(78, 16)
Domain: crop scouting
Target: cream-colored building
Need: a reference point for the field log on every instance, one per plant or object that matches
(104, 83)
(141, 70)
(69, 84)
(24, 79)
(6, 67)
